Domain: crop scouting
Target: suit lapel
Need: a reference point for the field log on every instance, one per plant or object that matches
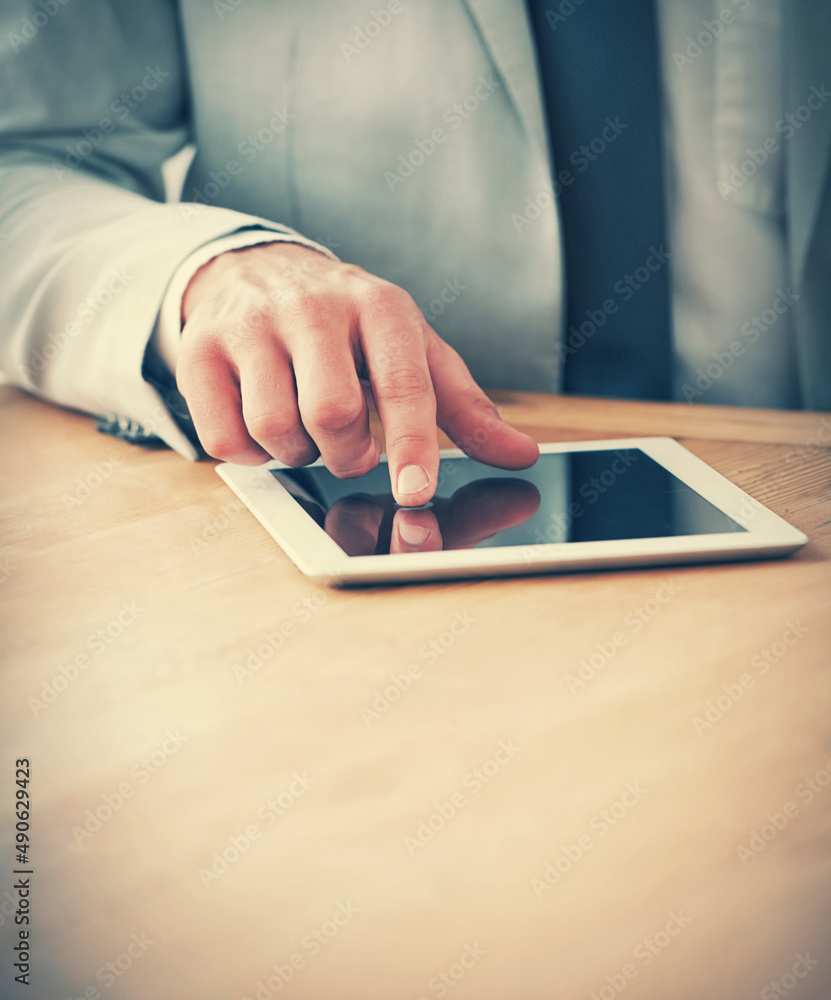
(507, 35)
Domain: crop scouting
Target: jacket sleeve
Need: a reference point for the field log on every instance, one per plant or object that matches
(93, 101)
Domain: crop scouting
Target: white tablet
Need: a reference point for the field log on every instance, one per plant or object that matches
(583, 506)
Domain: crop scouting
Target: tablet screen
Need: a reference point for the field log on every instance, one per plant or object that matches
(579, 496)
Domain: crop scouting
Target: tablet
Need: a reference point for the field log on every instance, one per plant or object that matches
(587, 505)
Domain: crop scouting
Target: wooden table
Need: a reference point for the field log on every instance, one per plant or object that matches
(538, 789)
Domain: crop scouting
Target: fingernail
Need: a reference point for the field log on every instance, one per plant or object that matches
(412, 479)
(410, 533)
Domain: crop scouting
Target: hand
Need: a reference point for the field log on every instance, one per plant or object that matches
(475, 512)
(276, 343)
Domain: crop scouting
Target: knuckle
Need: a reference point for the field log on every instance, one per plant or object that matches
(271, 426)
(255, 319)
(312, 316)
(412, 441)
(382, 296)
(198, 355)
(297, 455)
(245, 336)
(354, 469)
(296, 296)
(222, 444)
(293, 292)
(472, 398)
(351, 272)
(210, 343)
(200, 379)
(403, 384)
(335, 413)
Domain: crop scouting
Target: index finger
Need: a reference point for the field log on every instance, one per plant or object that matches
(392, 332)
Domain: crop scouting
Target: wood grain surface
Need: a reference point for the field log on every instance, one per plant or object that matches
(244, 786)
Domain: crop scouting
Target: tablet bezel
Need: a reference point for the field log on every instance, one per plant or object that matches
(321, 558)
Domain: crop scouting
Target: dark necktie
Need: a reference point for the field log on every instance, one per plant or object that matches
(601, 83)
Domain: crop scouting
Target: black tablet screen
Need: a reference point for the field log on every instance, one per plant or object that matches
(581, 496)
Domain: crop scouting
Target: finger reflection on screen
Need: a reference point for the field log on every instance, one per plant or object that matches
(479, 510)
(415, 531)
(367, 525)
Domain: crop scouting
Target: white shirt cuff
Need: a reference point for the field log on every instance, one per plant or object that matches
(165, 339)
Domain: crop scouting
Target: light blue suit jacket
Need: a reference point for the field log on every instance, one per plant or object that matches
(408, 146)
